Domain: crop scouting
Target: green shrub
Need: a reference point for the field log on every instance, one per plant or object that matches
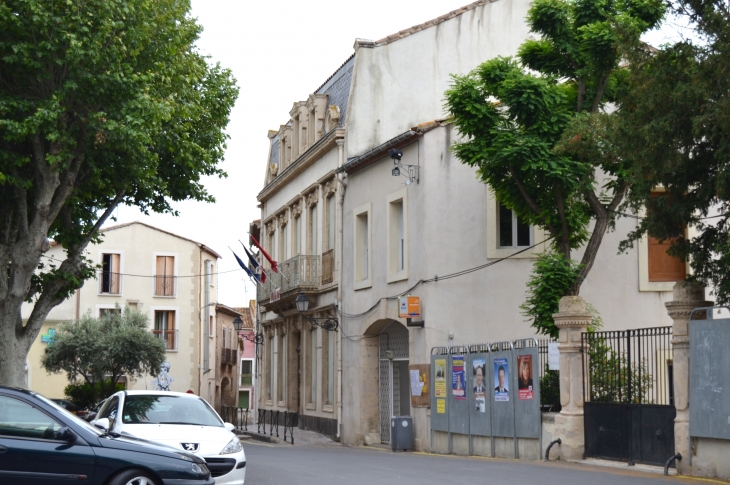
(85, 396)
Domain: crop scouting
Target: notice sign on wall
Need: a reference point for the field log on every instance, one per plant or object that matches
(458, 377)
(441, 406)
(553, 356)
(409, 307)
(439, 389)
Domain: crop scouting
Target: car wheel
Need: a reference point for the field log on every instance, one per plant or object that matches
(133, 477)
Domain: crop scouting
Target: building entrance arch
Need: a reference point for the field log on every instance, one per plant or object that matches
(393, 380)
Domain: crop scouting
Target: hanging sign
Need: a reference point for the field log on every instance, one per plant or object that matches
(410, 307)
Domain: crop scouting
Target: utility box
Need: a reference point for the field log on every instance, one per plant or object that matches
(401, 433)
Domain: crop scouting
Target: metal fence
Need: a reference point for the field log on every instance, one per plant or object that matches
(549, 379)
(628, 366)
(238, 417)
(286, 419)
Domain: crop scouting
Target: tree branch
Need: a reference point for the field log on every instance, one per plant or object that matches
(565, 233)
(581, 95)
(530, 201)
(599, 94)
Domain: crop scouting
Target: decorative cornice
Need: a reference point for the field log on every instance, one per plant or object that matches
(572, 319)
(283, 218)
(296, 210)
(271, 228)
(314, 153)
(312, 198)
(329, 188)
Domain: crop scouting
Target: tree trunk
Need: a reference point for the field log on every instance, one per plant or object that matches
(13, 354)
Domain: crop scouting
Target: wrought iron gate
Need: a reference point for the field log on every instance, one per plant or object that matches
(393, 345)
(628, 395)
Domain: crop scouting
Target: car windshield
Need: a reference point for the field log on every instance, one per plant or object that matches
(78, 421)
(157, 409)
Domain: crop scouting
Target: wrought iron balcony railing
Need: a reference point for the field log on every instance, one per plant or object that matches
(229, 357)
(298, 273)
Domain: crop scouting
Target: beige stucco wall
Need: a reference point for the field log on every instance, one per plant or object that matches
(138, 246)
(448, 224)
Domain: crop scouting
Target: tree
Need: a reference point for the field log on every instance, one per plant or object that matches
(675, 129)
(102, 102)
(537, 129)
(101, 350)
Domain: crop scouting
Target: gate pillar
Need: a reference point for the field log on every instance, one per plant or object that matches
(572, 320)
(686, 297)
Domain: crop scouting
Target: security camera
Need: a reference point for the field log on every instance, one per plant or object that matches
(395, 154)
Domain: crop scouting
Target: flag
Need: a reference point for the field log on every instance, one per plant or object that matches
(274, 264)
(245, 268)
(255, 263)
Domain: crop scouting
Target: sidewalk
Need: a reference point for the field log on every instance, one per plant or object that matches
(301, 437)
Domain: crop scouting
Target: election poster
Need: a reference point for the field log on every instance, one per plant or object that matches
(479, 370)
(439, 387)
(501, 377)
(458, 377)
(524, 373)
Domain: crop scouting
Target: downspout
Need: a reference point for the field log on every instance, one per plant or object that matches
(200, 261)
(206, 344)
(343, 185)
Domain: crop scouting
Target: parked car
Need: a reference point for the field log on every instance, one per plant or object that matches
(93, 411)
(43, 444)
(183, 421)
(69, 406)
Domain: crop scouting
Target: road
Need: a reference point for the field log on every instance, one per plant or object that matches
(338, 465)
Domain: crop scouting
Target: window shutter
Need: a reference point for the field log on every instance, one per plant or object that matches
(160, 276)
(662, 266)
(115, 276)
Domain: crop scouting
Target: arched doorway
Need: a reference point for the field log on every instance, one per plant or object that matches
(393, 381)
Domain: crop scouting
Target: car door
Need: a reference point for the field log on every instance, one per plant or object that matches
(31, 454)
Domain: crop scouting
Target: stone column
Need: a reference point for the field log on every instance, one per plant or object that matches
(572, 320)
(686, 297)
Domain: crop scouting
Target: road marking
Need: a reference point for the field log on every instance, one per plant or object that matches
(259, 444)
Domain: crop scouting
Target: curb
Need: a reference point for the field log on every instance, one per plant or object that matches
(261, 437)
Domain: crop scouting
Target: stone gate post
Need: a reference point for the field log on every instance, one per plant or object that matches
(572, 320)
(686, 297)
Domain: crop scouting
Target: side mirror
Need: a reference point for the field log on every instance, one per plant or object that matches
(102, 424)
(229, 426)
(65, 434)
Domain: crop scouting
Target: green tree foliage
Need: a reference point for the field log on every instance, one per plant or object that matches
(101, 350)
(86, 395)
(535, 126)
(102, 102)
(612, 374)
(675, 130)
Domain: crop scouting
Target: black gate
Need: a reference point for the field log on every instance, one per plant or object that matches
(628, 395)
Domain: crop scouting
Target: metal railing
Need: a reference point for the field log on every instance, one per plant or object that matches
(165, 285)
(549, 379)
(110, 283)
(237, 416)
(628, 366)
(299, 272)
(274, 421)
(229, 357)
(168, 336)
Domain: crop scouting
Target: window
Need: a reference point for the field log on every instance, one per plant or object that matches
(313, 364)
(110, 274)
(282, 242)
(109, 311)
(244, 399)
(513, 233)
(313, 229)
(224, 338)
(165, 276)
(331, 222)
(282, 367)
(397, 237)
(331, 367)
(19, 419)
(165, 328)
(362, 247)
(662, 266)
(297, 236)
(270, 369)
(246, 372)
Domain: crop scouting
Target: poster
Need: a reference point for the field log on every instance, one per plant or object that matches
(501, 377)
(441, 406)
(440, 385)
(524, 378)
(417, 384)
(458, 377)
(553, 356)
(479, 370)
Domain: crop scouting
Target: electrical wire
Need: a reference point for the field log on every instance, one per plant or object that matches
(639, 218)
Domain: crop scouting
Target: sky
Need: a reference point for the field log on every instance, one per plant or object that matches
(279, 53)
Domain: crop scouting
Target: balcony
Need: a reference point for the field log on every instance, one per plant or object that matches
(300, 273)
(110, 283)
(168, 336)
(229, 357)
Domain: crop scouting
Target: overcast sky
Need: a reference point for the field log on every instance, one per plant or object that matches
(279, 53)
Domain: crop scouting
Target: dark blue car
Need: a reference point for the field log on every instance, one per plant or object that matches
(42, 443)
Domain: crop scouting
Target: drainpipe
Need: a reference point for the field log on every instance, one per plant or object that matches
(206, 324)
(343, 185)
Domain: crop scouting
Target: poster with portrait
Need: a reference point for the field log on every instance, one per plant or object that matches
(525, 390)
(501, 379)
(439, 387)
(479, 372)
(458, 377)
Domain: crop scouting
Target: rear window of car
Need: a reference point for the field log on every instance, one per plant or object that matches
(157, 409)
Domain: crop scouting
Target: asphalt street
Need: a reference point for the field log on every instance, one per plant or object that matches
(329, 465)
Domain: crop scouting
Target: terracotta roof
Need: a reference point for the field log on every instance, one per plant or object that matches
(430, 23)
(202, 246)
(246, 315)
(234, 312)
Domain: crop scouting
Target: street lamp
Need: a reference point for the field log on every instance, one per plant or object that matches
(238, 324)
(327, 323)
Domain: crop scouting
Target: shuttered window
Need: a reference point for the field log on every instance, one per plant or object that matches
(110, 276)
(165, 276)
(662, 266)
